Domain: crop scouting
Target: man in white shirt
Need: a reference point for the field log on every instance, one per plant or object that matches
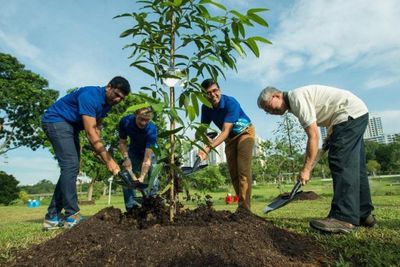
(346, 117)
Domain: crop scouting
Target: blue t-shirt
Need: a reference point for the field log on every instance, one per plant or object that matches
(228, 110)
(139, 139)
(90, 101)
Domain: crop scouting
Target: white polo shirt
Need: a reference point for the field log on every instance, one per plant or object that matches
(326, 105)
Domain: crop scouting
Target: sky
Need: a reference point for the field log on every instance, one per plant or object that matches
(353, 45)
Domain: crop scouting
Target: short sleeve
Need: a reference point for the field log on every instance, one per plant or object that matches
(151, 139)
(122, 128)
(205, 115)
(87, 104)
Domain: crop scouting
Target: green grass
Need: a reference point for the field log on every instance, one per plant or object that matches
(20, 227)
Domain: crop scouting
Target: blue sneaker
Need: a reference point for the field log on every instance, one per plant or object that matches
(73, 220)
(52, 223)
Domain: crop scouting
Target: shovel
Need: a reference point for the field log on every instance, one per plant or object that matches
(283, 200)
(196, 167)
(125, 179)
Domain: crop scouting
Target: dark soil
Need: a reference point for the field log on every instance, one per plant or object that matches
(308, 195)
(200, 237)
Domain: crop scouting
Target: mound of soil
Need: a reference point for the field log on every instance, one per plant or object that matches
(307, 195)
(200, 237)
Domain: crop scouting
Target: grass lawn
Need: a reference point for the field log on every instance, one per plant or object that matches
(20, 227)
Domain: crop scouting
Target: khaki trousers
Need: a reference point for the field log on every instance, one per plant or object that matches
(239, 154)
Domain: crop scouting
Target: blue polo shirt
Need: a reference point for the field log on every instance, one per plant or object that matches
(228, 110)
(90, 101)
(139, 139)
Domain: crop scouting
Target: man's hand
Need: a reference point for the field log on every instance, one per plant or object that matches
(141, 179)
(113, 167)
(304, 176)
(127, 164)
(202, 155)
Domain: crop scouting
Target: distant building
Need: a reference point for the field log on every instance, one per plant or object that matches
(373, 132)
(324, 132)
(374, 129)
(218, 156)
(391, 138)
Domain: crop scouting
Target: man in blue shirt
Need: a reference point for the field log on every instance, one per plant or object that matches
(139, 156)
(82, 109)
(238, 134)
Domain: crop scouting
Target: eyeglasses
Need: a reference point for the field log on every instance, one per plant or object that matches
(118, 93)
(212, 91)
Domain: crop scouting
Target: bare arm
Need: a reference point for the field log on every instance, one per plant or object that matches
(311, 152)
(93, 134)
(146, 164)
(226, 129)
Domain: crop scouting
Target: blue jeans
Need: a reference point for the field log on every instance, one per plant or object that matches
(65, 141)
(130, 194)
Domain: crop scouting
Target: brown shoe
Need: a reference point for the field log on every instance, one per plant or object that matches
(370, 221)
(332, 225)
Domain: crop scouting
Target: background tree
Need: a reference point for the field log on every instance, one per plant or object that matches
(23, 98)
(373, 167)
(8, 188)
(183, 33)
(290, 143)
(43, 186)
(207, 179)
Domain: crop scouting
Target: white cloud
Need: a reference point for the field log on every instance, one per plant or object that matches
(390, 120)
(378, 82)
(19, 45)
(29, 167)
(329, 34)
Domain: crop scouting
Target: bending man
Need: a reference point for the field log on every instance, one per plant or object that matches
(346, 117)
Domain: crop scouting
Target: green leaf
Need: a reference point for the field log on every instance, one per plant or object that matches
(203, 99)
(235, 29)
(177, 3)
(213, 3)
(167, 133)
(191, 112)
(144, 69)
(253, 46)
(128, 32)
(261, 39)
(238, 15)
(238, 48)
(241, 29)
(258, 20)
(256, 10)
(133, 108)
(195, 103)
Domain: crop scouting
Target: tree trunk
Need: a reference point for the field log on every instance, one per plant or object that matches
(90, 190)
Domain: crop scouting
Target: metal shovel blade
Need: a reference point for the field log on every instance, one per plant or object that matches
(196, 167)
(283, 200)
(127, 181)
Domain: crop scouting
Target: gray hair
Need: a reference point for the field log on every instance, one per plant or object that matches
(266, 94)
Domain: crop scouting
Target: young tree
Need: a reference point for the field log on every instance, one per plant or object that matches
(8, 188)
(23, 98)
(172, 34)
(290, 142)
